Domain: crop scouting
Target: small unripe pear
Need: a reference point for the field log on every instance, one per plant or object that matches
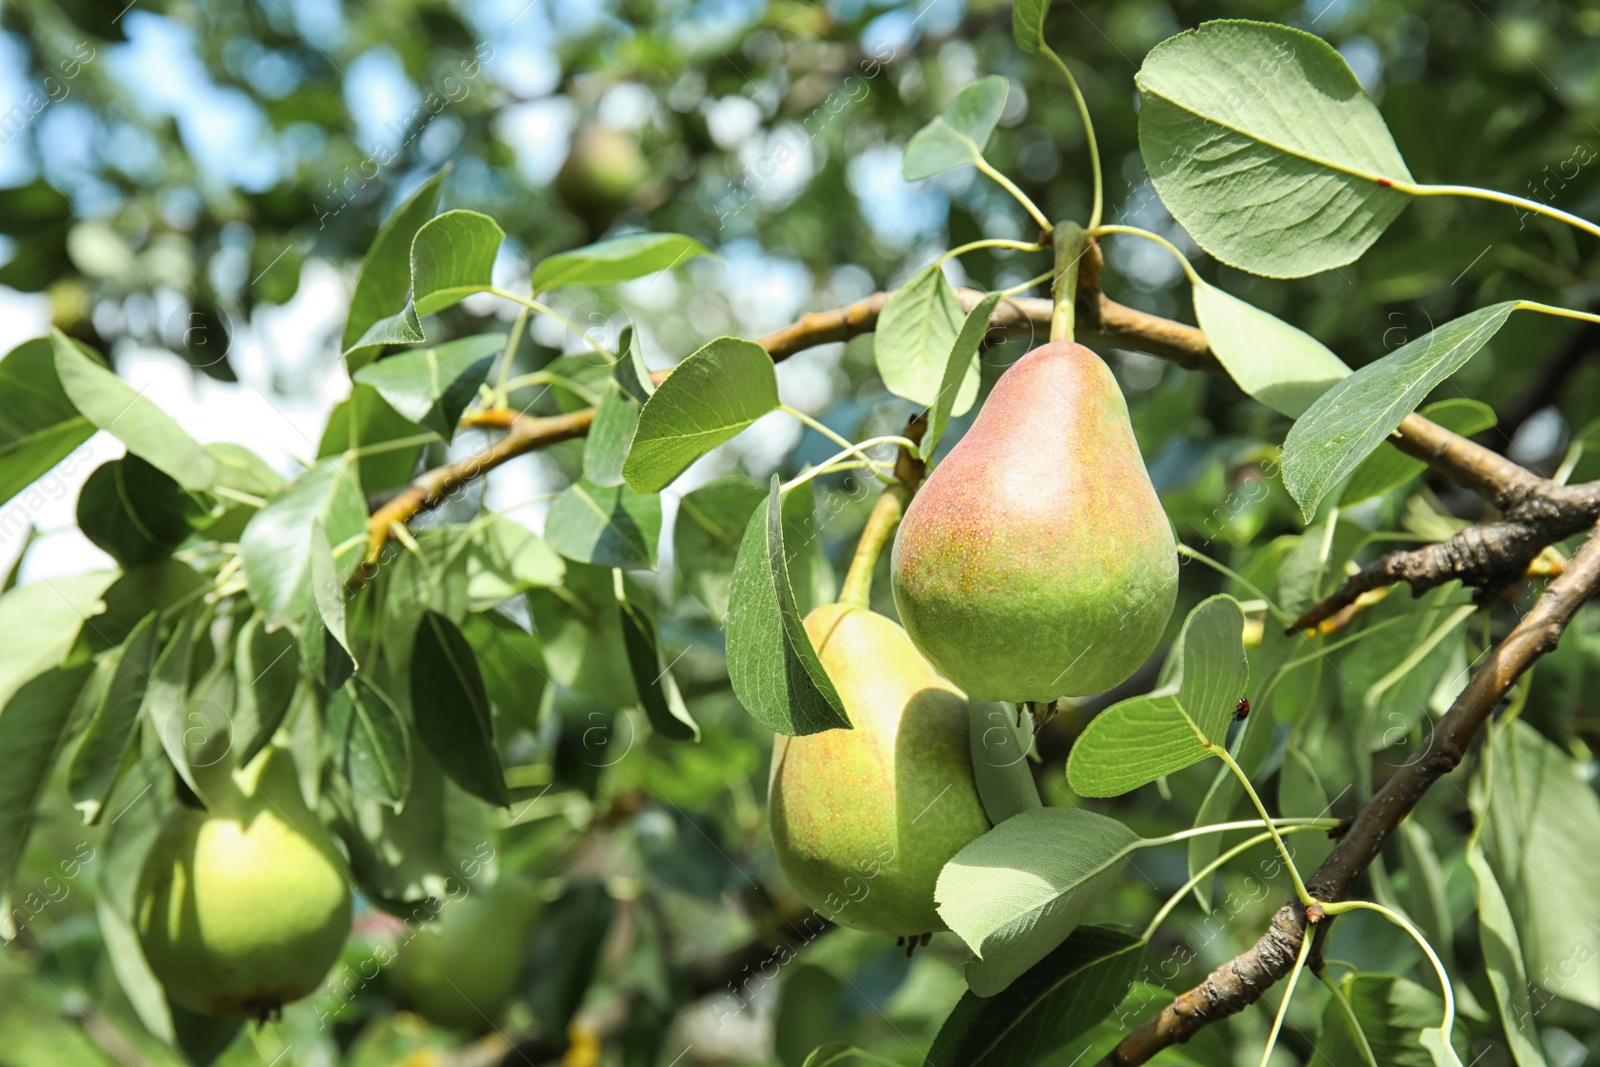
(863, 819)
(603, 169)
(241, 909)
(1036, 562)
(460, 970)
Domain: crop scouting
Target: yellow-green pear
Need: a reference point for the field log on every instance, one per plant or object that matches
(243, 908)
(460, 970)
(863, 819)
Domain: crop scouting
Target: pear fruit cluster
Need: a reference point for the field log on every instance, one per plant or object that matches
(1036, 561)
(864, 819)
(243, 907)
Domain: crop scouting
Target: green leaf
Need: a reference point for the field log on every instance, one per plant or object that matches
(1391, 1011)
(1136, 741)
(915, 340)
(39, 623)
(39, 427)
(33, 731)
(959, 366)
(613, 527)
(385, 276)
(174, 713)
(98, 759)
(617, 414)
(134, 512)
(368, 738)
(512, 662)
(582, 634)
(1263, 145)
(241, 469)
(620, 259)
(1388, 468)
(1353, 417)
(266, 672)
(708, 399)
(452, 257)
(1015, 893)
(958, 136)
(430, 386)
(363, 420)
(131, 417)
(1056, 1001)
(1502, 962)
(401, 328)
(1283, 367)
(451, 709)
(658, 692)
(276, 545)
(501, 559)
(774, 670)
(327, 588)
(1540, 829)
(711, 523)
(810, 571)
(1000, 761)
(1027, 23)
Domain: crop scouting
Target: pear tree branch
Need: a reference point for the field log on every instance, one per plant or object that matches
(1240, 982)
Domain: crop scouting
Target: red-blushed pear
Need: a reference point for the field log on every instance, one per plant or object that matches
(242, 908)
(1036, 561)
(863, 819)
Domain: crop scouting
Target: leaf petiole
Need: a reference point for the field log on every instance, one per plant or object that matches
(549, 312)
(1244, 779)
(1243, 846)
(1011, 187)
(1088, 133)
(1288, 991)
(1447, 1024)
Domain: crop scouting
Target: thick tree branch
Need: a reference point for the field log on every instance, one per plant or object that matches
(1488, 556)
(1239, 983)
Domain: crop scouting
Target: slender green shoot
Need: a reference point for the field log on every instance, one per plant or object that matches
(826, 467)
(550, 313)
(1447, 1024)
(392, 446)
(816, 425)
(1011, 187)
(1473, 192)
(1349, 1013)
(992, 242)
(504, 367)
(1288, 991)
(1200, 875)
(1098, 209)
(1029, 284)
(1134, 231)
(1229, 572)
(1562, 313)
(1283, 850)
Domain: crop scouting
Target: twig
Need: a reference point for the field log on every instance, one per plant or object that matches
(1099, 319)
(1239, 983)
(524, 434)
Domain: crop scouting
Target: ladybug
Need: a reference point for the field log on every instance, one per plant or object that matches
(1242, 711)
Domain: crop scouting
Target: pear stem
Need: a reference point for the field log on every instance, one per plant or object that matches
(1070, 244)
(886, 513)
